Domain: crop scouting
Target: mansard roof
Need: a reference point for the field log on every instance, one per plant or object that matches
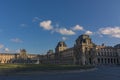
(117, 46)
(84, 36)
(61, 43)
(22, 50)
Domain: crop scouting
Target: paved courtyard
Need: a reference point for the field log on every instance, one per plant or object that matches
(101, 73)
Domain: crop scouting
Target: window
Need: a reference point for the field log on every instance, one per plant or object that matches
(84, 41)
(98, 60)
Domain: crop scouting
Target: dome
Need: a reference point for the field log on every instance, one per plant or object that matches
(61, 43)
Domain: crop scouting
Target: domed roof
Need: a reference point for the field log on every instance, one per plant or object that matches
(117, 46)
(61, 43)
(22, 50)
(84, 36)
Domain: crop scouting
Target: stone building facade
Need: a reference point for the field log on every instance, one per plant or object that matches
(107, 55)
(21, 57)
(6, 57)
(84, 52)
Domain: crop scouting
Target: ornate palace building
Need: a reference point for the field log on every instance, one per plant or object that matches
(21, 57)
(84, 52)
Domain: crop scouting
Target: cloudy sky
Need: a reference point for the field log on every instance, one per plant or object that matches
(37, 25)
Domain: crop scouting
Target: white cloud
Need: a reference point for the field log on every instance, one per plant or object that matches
(16, 40)
(46, 25)
(89, 32)
(110, 31)
(1, 46)
(64, 38)
(77, 28)
(65, 31)
(7, 50)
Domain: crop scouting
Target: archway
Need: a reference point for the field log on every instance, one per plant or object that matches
(105, 60)
(114, 61)
(102, 60)
(111, 61)
(90, 60)
(108, 60)
(98, 61)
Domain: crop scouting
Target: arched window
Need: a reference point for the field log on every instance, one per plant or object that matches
(114, 60)
(102, 60)
(108, 60)
(90, 61)
(111, 60)
(105, 60)
(98, 60)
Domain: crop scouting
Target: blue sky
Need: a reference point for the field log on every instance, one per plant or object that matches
(37, 25)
